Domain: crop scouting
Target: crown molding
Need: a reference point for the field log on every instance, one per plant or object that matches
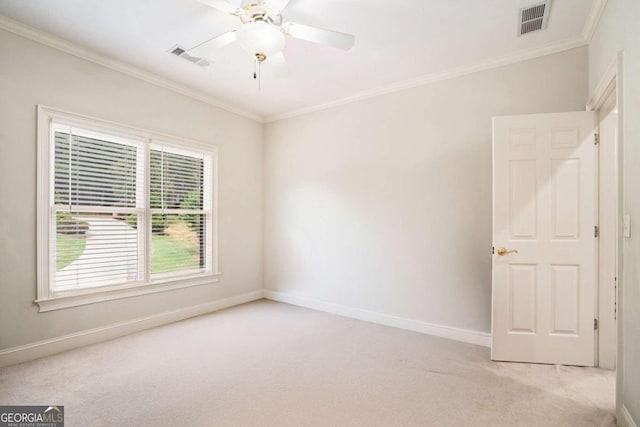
(47, 39)
(597, 8)
(605, 86)
(513, 58)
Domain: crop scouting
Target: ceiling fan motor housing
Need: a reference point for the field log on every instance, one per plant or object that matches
(259, 12)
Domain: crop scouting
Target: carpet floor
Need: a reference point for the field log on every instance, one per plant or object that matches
(272, 364)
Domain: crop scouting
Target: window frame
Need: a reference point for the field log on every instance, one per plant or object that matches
(46, 297)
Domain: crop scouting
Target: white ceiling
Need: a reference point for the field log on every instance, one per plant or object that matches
(396, 40)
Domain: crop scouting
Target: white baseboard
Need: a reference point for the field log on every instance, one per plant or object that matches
(458, 334)
(24, 353)
(625, 419)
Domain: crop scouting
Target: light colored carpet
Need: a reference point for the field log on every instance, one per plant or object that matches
(271, 364)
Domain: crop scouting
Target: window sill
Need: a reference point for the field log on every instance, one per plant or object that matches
(90, 296)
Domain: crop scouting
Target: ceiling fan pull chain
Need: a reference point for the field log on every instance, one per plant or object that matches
(259, 75)
(254, 69)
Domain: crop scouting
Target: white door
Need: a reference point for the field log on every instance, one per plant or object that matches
(544, 186)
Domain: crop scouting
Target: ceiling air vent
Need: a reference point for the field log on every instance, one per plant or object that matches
(182, 53)
(534, 18)
(177, 51)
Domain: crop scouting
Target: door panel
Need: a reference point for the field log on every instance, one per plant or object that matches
(565, 209)
(522, 307)
(523, 213)
(544, 212)
(565, 284)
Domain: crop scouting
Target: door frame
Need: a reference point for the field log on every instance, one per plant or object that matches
(611, 82)
(606, 332)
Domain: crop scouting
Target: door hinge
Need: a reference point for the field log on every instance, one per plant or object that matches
(615, 299)
(596, 231)
(596, 138)
(595, 324)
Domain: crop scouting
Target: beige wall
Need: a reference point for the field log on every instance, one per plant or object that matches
(618, 30)
(385, 204)
(32, 74)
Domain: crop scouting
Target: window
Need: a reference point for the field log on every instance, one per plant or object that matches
(122, 211)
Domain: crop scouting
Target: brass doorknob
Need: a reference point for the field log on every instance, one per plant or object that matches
(503, 251)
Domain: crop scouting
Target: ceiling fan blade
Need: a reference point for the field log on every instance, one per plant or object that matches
(318, 35)
(207, 49)
(222, 6)
(278, 65)
(278, 5)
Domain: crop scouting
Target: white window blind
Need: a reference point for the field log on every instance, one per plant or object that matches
(126, 210)
(98, 198)
(180, 211)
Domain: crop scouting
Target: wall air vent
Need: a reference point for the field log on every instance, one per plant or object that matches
(182, 53)
(534, 18)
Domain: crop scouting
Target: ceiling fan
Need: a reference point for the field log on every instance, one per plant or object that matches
(263, 34)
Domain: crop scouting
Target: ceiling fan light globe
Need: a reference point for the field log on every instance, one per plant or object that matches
(260, 37)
